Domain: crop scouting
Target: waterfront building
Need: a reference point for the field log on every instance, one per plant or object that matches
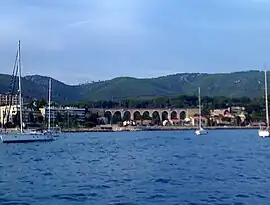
(55, 112)
(8, 99)
(228, 116)
(10, 113)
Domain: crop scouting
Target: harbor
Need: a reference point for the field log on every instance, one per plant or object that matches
(134, 102)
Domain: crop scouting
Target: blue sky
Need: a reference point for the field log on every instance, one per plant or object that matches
(83, 40)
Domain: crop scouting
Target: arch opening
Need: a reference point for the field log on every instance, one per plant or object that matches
(116, 118)
(164, 115)
(183, 115)
(174, 115)
(156, 118)
(137, 116)
(146, 116)
(126, 116)
(108, 116)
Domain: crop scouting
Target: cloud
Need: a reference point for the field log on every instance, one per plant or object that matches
(120, 17)
(54, 25)
(104, 38)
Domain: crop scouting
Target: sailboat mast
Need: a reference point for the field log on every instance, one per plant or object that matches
(49, 118)
(20, 87)
(266, 98)
(200, 111)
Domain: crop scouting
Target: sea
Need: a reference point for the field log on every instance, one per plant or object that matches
(130, 168)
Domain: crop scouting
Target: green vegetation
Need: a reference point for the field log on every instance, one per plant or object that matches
(233, 85)
(254, 108)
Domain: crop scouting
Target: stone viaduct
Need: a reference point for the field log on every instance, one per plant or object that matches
(138, 114)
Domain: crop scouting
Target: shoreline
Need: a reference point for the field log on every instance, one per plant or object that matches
(154, 128)
(116, 128)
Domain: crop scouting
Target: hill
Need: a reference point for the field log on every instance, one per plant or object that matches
(237, 84)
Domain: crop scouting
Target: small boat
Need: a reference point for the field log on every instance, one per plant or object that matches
(265, 132)
(200, 130)
(23, 136)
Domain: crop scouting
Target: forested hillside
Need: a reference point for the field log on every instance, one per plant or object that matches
(237, 84)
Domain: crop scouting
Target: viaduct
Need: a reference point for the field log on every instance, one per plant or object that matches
(138, 114)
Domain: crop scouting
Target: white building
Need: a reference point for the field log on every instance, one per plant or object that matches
(8, 113)
(78, 113)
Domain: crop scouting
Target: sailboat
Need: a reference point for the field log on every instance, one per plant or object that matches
(264, 132)
(54, 131)
(200, 130)
(22, 135)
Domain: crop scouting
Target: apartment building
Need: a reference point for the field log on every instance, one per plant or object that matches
(9, 113)
(79, 113)
(6, 99)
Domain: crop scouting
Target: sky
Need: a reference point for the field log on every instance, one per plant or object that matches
(78, 41)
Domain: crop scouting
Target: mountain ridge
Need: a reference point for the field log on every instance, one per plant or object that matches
(234, 84)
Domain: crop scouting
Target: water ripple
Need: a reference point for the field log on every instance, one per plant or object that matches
(224, 167)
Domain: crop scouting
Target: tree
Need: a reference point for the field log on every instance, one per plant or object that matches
(31, 117)
(41, 103)
(75, 120)
(16, 119)
(59, 118)
(238, 121)
(40, 118)
(92, 119)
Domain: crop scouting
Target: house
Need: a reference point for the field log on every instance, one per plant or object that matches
(228, 116)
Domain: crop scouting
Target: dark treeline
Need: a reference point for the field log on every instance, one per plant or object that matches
(252, 105)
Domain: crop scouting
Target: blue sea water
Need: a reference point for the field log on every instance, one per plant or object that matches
(223, 167)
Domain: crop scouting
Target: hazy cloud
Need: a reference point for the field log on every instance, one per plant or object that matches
(89, 40)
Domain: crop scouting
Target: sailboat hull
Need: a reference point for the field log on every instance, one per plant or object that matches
(263, 133)
(25, 137)
(201, 132)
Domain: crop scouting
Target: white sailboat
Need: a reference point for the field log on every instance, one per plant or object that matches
(55, 130)
(264, 132)
(23, 136)
(200, 130)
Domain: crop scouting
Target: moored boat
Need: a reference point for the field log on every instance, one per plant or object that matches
(23, 136)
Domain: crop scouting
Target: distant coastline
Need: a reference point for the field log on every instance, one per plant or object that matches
(143, 128)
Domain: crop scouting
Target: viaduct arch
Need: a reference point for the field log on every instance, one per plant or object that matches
(115, 115)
